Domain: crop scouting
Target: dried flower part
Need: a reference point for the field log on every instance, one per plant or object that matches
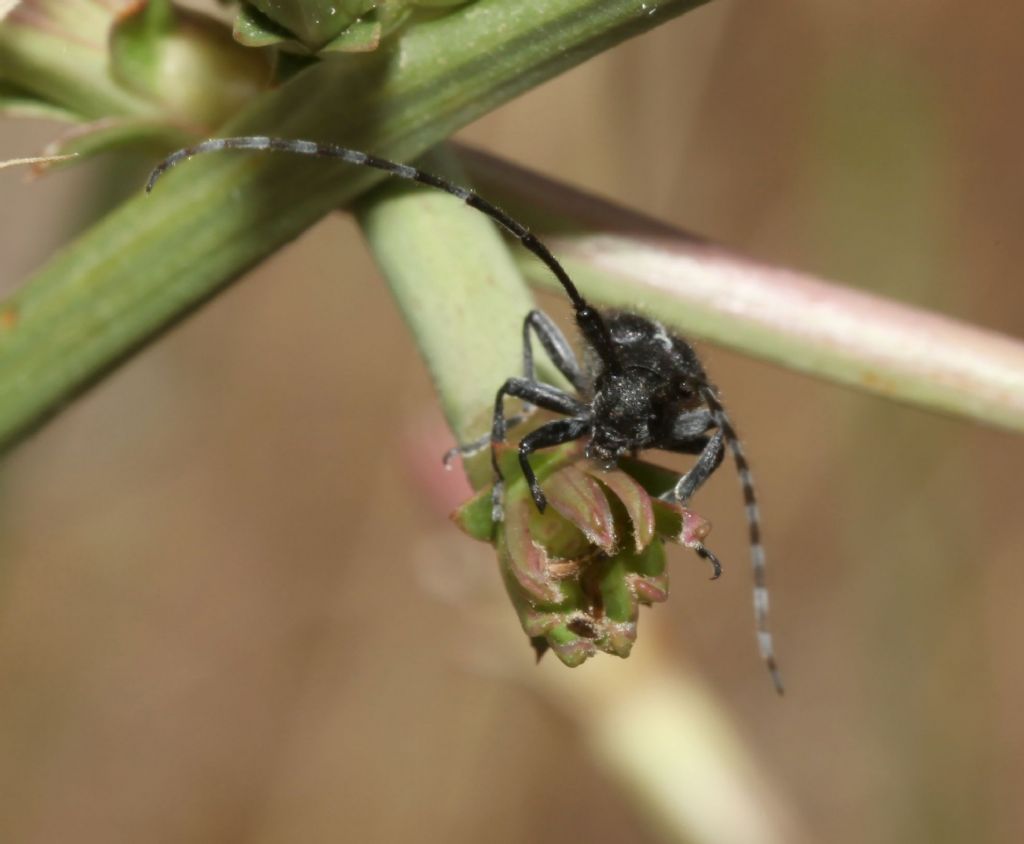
(34, 161)
(579, 573)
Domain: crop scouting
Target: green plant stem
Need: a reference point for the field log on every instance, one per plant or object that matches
(458, 289)
(625, 259)
(152, 261)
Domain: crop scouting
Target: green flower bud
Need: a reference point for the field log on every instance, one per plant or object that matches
(578, 573)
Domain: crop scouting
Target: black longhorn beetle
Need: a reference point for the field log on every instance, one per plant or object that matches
(640, 387)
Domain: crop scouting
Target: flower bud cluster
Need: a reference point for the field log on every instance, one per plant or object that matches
(578, 573)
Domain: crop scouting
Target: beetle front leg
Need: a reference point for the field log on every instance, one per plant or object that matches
(536, 393)
(553, 433)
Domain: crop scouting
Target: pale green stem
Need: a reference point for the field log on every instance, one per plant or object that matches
(459, 291)
(624, 259)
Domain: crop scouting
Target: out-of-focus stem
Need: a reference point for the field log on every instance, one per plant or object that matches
(662, 735)
(622, 258)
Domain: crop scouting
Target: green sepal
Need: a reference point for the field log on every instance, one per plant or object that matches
(254, 29)
(621, 575)
(473, 517)
(438, 4)
(360, 37)
(570, 648)
(306, 24)
(324, 26)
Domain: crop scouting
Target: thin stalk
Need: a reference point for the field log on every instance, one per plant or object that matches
(625, 259)
(154, 260)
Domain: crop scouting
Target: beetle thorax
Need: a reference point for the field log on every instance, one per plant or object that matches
(624, 414)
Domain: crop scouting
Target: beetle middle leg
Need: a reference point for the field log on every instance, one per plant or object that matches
(541, 395)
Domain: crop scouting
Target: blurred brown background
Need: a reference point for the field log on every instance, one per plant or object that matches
(228, 593)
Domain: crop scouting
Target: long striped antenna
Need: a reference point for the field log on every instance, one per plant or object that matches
(590, 321)
(765, 643)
